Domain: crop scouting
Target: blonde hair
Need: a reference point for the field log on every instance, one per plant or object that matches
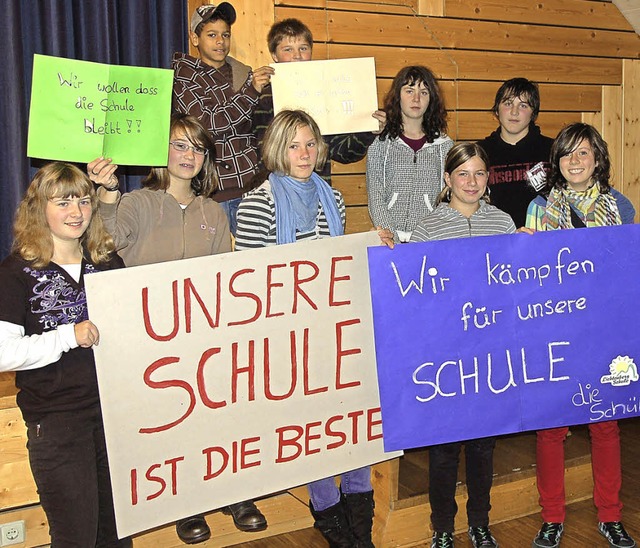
(32, 234)
(279, 135)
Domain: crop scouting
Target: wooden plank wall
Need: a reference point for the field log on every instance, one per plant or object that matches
(574, 49)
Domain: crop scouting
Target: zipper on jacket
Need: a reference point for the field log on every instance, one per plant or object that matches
(184, 232)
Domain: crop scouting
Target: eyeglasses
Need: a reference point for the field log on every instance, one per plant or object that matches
(183, 147)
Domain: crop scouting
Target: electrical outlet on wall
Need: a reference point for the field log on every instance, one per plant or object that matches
(12, 533)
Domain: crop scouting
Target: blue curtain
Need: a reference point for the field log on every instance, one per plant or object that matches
(126, 32)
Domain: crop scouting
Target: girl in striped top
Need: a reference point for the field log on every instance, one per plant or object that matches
(462, 210)
(294, 203)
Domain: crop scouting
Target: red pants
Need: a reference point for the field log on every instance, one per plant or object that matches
(605, 462)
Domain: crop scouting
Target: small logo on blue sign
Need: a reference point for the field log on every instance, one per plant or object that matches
(623, 371)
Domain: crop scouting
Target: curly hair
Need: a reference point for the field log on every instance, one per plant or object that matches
(32, 235)
(434, 121)
(205, 182)
(280, 134)
(566, 142)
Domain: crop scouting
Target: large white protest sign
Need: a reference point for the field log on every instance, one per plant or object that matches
(340, 94)
(229, 377)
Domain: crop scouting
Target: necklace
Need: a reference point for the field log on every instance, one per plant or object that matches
(186, 200)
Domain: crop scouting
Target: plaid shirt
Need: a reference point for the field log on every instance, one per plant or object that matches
(210, 95)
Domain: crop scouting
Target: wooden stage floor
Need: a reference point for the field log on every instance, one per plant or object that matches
(581, 521)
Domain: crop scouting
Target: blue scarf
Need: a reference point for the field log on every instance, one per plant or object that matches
(296, 206)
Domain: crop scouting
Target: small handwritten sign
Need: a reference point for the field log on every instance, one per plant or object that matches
(82, 110)
(229, 377)
(484, 336)
(340, 94)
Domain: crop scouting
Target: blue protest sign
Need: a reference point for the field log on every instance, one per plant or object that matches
(501, 334)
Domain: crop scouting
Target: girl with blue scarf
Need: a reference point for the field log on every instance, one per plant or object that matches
(296, 204)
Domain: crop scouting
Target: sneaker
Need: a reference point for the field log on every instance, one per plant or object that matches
(442, 540)
(548, 536)
(481, 537)
(615, 533)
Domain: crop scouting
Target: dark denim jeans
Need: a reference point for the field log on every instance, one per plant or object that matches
(231, 209)
(68, 457)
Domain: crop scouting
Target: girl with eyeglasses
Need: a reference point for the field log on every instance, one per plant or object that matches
(172, 216)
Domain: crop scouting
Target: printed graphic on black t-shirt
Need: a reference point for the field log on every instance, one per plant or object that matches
(515, 172)
(54, 301)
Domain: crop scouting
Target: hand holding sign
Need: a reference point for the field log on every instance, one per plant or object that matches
(261, 77)
(103, 172)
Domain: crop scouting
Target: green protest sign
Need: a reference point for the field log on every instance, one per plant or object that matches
(81, 110)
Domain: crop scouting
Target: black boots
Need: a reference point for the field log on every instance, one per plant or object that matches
(347, 524)
(359, 510)
(332, 523)
(193, 530)
(246, 516)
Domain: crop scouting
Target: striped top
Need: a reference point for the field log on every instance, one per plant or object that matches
(445, 223)
(257, 219)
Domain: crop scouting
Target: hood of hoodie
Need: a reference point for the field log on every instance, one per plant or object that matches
(239, 70)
